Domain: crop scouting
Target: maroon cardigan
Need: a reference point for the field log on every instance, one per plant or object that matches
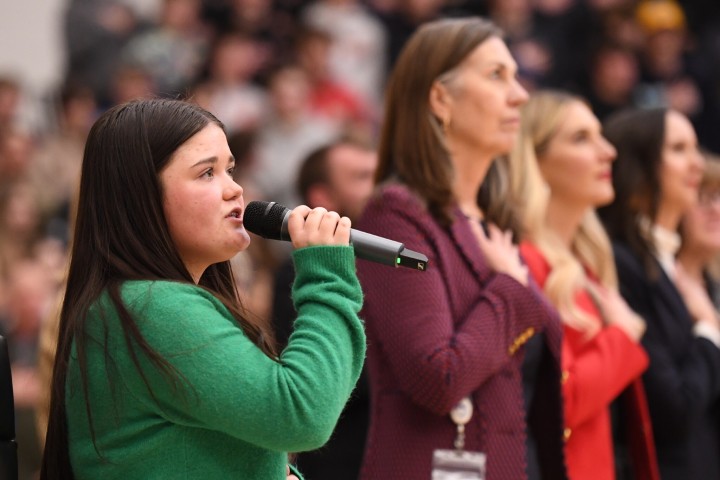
(454, 330)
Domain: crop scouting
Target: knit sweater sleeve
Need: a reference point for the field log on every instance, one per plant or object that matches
(227, 383)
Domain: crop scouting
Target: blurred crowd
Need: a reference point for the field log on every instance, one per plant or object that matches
(288, 77)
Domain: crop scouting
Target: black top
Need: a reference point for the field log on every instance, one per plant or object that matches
(683, 380)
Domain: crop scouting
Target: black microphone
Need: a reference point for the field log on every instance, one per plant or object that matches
(270, 220)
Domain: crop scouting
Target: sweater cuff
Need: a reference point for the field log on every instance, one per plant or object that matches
(319, 258)
(705, 330)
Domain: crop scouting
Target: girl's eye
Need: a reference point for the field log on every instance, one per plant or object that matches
(230, 171)
(208, 173)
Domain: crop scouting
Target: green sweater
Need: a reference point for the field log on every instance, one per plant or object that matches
(243, 411)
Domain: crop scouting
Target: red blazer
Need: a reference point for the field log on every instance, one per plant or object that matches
(595, 372)
(452, 331)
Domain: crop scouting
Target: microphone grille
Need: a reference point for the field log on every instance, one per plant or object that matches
(264, 219)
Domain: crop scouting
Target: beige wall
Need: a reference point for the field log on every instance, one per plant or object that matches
(31, 49)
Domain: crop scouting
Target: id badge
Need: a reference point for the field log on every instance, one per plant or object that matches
(458, 465)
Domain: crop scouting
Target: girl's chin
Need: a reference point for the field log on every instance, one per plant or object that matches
(243, 239)
(236, 248)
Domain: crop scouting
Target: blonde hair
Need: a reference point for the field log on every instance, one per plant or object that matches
(711, 175)
(590, 247)
(711, 181)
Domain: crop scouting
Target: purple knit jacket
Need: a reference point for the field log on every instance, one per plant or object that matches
(455, 330)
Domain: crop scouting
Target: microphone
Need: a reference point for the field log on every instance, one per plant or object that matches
(270, 220)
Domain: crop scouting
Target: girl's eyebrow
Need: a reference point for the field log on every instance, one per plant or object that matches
(210, 160)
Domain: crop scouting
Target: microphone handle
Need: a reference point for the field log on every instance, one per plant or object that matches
(372, 247)
(376, 249)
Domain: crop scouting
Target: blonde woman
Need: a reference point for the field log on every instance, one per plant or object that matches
(562, 164)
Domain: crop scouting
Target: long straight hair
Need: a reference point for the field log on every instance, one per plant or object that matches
(120, 234)
(638, 136)
(590, 247)
(412, 146)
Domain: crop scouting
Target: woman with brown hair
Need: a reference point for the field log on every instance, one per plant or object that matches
(465, 354)
(656, 178)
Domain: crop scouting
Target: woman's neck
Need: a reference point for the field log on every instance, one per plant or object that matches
(563, 217)
(470, 169)
(668, 218)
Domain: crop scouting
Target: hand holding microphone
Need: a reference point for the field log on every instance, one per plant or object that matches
(307, 227)
(272, 221)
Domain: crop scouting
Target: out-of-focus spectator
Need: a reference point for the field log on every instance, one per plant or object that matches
(96, 31)
(20, 226)
(30, 268)
(272, 25)
(615, 23)
(400, 18)
(515, 17)
(55, 173)
(9, 102)
(145, 10)
(539, 34)
(604, 6)
(30, 292)
(611, 79)
(229, 92)
(329, 98)
(290, 133)
(16, 151)
(173, 51)
(131, 82)
(242, 146)
(666, 80)
(339, 177)
(675, 69)
(357, 54)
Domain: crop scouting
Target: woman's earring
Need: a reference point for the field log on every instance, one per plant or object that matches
(446, 125)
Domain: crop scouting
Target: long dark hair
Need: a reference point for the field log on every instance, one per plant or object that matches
(121, 234)
(638, 135)
(412, 147)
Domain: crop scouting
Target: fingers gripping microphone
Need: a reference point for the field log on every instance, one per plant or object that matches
(270, 220)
